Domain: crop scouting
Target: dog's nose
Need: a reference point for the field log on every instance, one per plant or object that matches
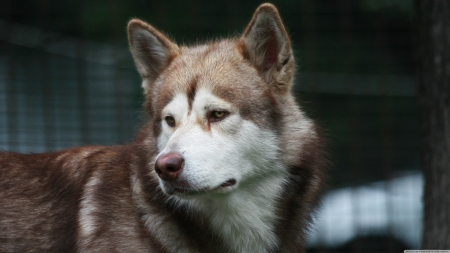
(169, 166)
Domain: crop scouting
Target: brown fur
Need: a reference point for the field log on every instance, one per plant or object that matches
(108, 199)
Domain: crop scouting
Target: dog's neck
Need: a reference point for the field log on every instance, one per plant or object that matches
(246, 218)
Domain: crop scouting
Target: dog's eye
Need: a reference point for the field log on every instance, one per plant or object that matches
(170, 121)
(217, 115)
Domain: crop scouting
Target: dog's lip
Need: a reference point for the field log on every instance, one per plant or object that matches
(194, 191)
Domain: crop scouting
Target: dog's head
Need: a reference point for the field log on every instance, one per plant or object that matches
(216, 108)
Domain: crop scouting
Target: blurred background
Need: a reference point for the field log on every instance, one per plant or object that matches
(67, 79)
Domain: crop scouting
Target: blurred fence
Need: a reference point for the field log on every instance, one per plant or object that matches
(58, 92)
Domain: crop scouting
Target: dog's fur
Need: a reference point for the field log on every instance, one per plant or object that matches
(227, 162)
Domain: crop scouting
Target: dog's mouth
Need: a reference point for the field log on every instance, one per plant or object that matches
(229, 182)
(187, 191)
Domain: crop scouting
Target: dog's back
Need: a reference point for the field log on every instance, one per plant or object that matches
(50, 202)
(39, 202)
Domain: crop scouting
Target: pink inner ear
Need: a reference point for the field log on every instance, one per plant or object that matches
(271, 55)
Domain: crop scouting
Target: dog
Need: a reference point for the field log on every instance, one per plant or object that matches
(227, 161)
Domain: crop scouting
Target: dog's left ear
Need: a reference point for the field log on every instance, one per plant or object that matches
(266, 45)
(152, 51)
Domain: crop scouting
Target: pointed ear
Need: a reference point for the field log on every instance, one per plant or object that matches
(267, 46)
(152, 51)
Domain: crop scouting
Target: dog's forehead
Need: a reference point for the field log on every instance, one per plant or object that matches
(210, 65)
(217, 67)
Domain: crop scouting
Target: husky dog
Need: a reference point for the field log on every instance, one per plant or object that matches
(227, 162)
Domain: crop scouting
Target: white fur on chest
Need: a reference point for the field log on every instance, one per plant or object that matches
(246, 218)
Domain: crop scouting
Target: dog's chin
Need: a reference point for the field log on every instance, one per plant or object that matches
(186, 191)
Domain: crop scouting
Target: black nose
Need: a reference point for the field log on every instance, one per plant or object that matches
(169, 166)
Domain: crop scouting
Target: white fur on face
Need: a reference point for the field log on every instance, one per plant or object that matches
(232, 148)
(177, 108)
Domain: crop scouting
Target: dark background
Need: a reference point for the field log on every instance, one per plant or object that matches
(67, 79)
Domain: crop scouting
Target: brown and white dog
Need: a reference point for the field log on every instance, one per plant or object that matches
(228, 162)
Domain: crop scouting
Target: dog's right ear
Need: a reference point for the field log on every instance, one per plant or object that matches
(266, 44)
(152, 51)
